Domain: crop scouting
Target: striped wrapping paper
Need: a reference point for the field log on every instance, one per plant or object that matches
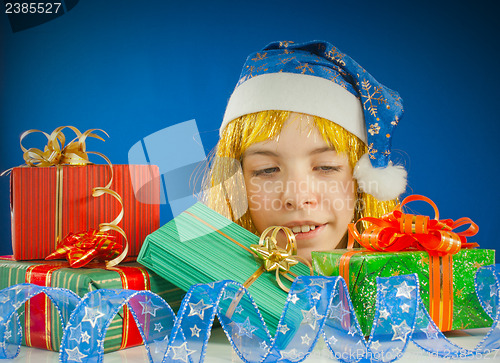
(35, 195)
(40, 320)
(202, 246)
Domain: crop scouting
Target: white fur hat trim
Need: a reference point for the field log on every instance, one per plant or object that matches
(302, 93)
(383, 183)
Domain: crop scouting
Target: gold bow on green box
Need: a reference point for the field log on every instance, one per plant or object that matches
(201, 246)
(275, 258)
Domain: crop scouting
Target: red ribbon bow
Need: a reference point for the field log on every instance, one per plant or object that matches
(81, 248)
(398, 231)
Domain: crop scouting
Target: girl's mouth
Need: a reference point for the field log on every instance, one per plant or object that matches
(307, 231)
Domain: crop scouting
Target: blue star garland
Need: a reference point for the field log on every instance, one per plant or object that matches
(315, 306)
(12, 298)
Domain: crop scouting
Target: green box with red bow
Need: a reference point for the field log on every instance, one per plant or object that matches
(61, 202)
(400, 244)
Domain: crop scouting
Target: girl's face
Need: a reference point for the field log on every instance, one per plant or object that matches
(300, 182)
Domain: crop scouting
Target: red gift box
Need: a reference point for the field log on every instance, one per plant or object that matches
(47, 203)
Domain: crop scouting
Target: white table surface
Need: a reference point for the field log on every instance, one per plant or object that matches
(219, 350)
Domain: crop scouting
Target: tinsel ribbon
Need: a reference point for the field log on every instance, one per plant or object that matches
(315, 307)
(38, 313)
(57, 153)
(398, 231)
(272, 257)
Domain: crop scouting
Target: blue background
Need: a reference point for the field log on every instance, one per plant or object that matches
(135, 67)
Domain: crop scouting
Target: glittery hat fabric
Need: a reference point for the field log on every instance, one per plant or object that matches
(318, 79)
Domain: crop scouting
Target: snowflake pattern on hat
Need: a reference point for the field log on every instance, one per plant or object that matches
(383, 107)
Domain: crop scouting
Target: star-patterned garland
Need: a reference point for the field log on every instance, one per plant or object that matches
(12, 298)
(400, 318)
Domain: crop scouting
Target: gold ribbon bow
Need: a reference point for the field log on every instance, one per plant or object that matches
(272, 256)
(57, 153)
(275, 258)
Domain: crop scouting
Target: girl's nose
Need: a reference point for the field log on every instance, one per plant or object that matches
(298, 193)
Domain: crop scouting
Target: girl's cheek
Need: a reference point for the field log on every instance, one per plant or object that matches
(333, 187)
(255, 185)
(263, 204)
(255, 203)
(260, 186)
(348, 187)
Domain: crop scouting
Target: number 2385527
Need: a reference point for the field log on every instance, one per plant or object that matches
(32, 8)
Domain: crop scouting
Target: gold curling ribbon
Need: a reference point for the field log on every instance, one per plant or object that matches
(275, 258)
(57, 153)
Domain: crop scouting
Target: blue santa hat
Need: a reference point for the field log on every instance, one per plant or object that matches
(316, 78)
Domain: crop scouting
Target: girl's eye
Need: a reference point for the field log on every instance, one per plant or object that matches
(328, 168)
(265, 172)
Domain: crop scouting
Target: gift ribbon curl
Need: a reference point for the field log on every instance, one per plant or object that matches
(315, 306)
(275, 258)
(56, 153)
(81, 248)
(399, 231)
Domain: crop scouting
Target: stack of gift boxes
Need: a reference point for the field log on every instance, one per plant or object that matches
(49, 203)
(198, 246)
(446, 280)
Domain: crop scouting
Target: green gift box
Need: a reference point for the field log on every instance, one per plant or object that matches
(461, 308)
(40, 320)
(201, 246)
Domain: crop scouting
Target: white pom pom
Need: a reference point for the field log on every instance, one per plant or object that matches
(383, 183)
